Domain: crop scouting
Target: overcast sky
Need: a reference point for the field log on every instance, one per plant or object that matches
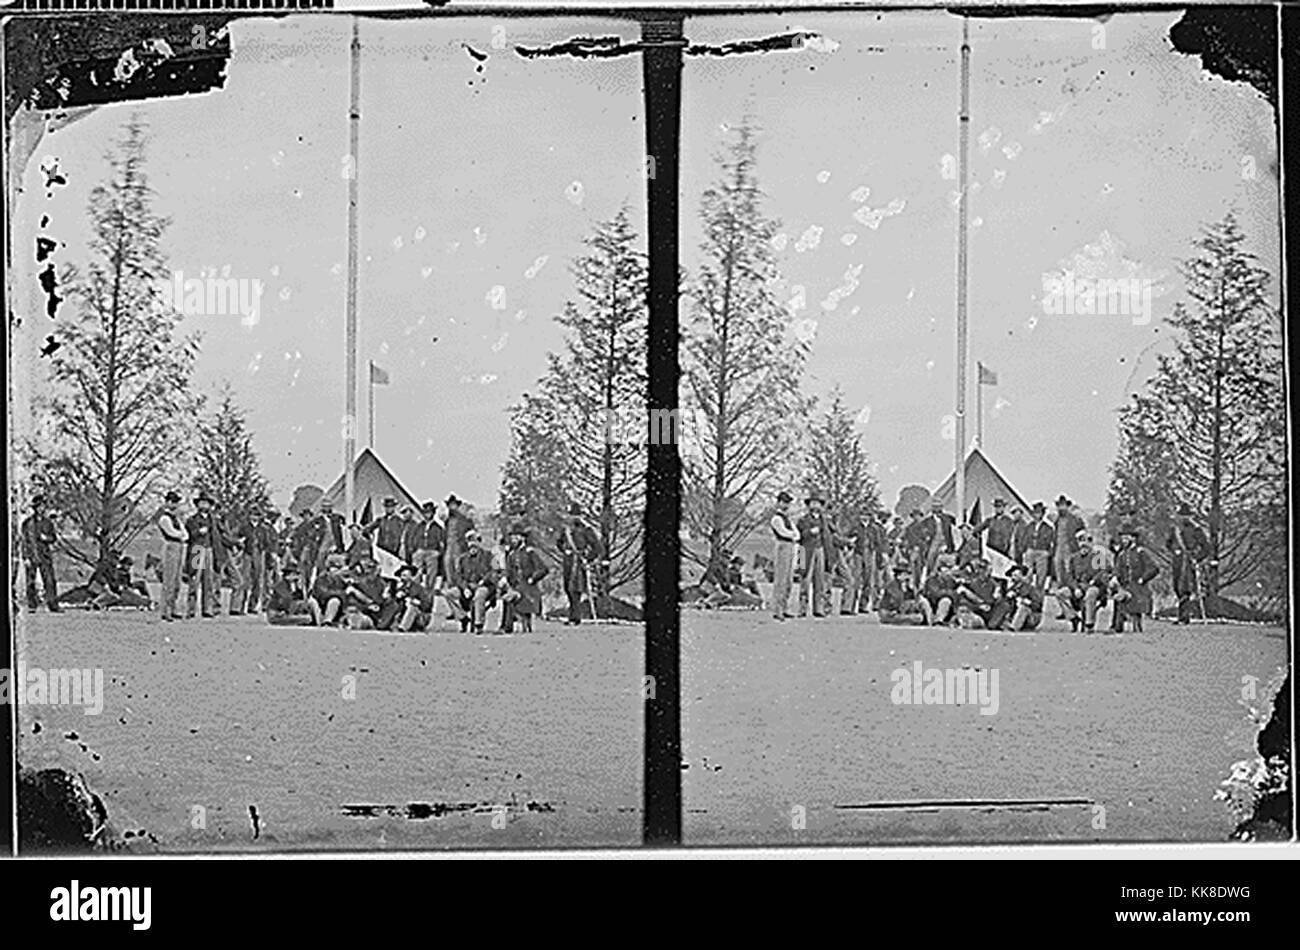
(470, 180)
(1114, 155)
(480, 178)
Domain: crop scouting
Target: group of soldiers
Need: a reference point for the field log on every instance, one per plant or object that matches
(992, 573)
(318, 570)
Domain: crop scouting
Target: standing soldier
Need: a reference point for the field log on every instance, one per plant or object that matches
(235, 538)
(206, 555)
(579, 548)
(936, 534)
(1188, 548)
(815, 541)
(410, 534)
(1065, 541)
(429, 545)
(259, 547)
(457, 524)
(38, 540)
(389, 529)
(328, 531)
(786, 537)
(304, 545)
(1038, 546)
(1022, 533)
(174, 537)
(998, 528)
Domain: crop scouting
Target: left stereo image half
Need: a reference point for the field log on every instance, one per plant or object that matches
(327, 395)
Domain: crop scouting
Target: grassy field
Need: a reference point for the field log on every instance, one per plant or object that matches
(793, 724)
(449, 741)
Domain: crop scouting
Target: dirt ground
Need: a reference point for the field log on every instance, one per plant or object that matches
(1097, 738)
(451, 740)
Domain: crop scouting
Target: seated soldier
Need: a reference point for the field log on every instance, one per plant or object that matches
(744, 593)
(366, 593)
(939, 593)
(899, 603)
(409, 606)
(288, 605)
(1027, 598)
(980, 600)
(103, 583)
(521, 596)
(130, 592)
(475, 593)
(328, 593)
(1089, 583)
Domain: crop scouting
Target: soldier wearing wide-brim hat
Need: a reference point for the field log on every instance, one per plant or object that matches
(174, 540)
(524, 570)
(457, 526)
(1188, 549)
(1065, 541)
(1135, 568)
(428, 547)
(580, 557)
(205, 557)
(388, 529)
(39, 538)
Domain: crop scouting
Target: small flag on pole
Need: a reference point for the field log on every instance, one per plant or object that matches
(379, 377)
(987, 376)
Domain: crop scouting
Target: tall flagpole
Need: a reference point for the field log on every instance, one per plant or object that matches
(979, 405)
(371, 376)
(964, 125)
(350, 417)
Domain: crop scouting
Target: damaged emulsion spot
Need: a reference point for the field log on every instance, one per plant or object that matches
(587, 47)
(422, 811)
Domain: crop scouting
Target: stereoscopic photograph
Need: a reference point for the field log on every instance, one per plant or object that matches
(500, 428)
(984, 532)
(320, 542)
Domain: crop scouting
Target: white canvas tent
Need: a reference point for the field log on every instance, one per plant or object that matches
(372, 483)
(983, 484)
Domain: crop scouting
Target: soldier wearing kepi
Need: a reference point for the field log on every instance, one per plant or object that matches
(579, 550)
(174, 537)
(1188, 549)
(38, 540)
(1135, 568)
(259, 550)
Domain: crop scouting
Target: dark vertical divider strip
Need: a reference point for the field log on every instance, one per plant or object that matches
(662, 793)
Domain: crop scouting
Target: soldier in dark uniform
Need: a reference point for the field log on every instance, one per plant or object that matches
(816, 551)
(457, 525)
(327, 531)
(936, 538)
(38, 540)
(366, 596)
(475, 593)
(235, 570)
(914, 544)
(1022, 533)
(328, 592)
(259, 554)
(579, 549)
(409, 605)
(1188, 548)
(287, 605)
(428, 547)
(981, 603)
(206, 557)
(358, 547)
(998, 529)
(388, 529)
(1135, 568)
(899, 603)
(1026, 596)
(304, 545)
(1038, 545)
(524, 569)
